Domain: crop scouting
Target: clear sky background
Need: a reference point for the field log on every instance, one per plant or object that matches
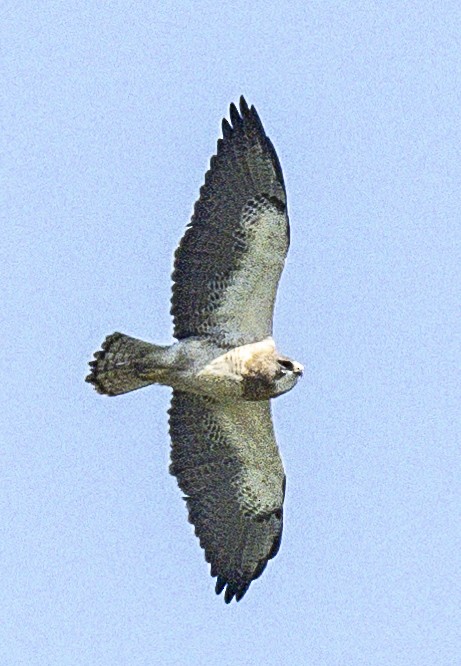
(110, 113)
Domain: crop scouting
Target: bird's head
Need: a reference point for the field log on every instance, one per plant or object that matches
(287, 374)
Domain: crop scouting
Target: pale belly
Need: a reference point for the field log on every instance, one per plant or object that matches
(226, 375)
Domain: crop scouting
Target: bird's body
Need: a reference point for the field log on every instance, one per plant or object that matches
(249, 372)
(224, 367)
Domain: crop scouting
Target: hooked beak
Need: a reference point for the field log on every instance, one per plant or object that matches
(298, 369)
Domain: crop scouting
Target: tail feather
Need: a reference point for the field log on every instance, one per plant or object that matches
(123, 365)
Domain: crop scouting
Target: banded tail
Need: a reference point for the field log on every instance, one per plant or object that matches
(125, 364)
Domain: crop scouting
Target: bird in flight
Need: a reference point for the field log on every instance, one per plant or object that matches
(224, 366)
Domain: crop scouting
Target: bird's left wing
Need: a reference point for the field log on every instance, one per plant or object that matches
(227, 463)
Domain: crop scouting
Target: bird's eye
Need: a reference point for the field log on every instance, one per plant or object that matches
(288, 365)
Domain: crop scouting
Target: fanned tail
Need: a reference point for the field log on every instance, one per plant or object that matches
(125, 364)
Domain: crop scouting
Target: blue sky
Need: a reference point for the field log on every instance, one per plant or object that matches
(110, 114)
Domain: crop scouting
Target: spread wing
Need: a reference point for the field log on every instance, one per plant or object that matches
(226, 461)
(228, 264)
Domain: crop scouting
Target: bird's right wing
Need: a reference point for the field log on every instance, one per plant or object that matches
(226, 461)
(228, 264)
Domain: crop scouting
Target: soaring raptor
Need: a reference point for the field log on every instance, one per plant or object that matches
(224, 366)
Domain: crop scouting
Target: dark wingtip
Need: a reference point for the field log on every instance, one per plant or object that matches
(226, 128)
(244, 110)
(241, 593)
(232, 590)
(235, 117)
(252, 115)
(220, 584)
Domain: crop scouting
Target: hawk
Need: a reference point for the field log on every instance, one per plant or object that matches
(224, 367)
